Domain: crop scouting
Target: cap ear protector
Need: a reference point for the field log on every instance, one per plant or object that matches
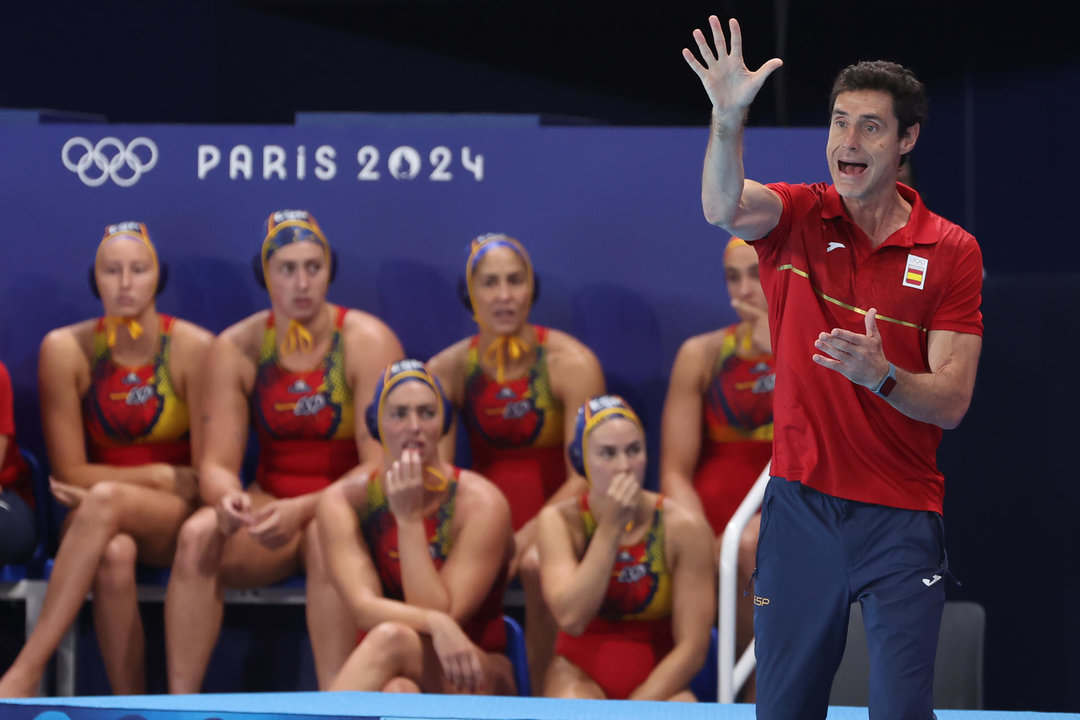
(260, 278)
(284, 227)
(463, 292)
(396, 373)
(136, 231)
(596, 410)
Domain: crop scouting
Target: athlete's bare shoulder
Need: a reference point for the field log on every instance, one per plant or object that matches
(568, 353)
(244, 336)
(449, 366)
(70, 340)
(707, 343)
(452, 357)
(188, 335)
(684, 527)
(477, 488)
(367, 327)
(696, 356)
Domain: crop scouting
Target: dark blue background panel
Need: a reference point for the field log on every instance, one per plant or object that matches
(611, 217)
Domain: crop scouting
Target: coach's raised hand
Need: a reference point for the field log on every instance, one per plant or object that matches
(740, 206)
(730, 85)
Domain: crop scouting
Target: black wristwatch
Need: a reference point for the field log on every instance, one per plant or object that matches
(887, 383)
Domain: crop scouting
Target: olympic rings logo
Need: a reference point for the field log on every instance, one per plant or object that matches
(110, 157)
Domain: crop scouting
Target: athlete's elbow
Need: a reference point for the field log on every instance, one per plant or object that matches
(569, 619)
(574, 628)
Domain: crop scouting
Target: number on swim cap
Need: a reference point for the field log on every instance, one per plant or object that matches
(285, 215)
(403, 365)
(603, 402)
(129, 226)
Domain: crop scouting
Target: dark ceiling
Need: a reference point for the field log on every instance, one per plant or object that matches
(614, 62)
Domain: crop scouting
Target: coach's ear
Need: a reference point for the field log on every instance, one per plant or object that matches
(907, 140)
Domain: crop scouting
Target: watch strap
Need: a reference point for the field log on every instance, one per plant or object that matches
(887, 383)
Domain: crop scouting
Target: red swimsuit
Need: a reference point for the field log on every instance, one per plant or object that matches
(516, 432)
(379, 527)
(631, 634)
(304, 419)
(737, 432)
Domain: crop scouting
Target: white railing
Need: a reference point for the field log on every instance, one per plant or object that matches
(731, 676)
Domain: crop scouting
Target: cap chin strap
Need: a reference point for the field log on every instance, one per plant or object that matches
(297, 337)
(441, 480)
(112, 322)
(439, 486)
(503, 347)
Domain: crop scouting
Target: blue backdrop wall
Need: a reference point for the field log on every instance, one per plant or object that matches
(611, 217)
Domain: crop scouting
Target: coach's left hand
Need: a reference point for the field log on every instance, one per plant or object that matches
(857, 357)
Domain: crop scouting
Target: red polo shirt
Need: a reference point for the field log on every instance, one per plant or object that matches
(819, 273)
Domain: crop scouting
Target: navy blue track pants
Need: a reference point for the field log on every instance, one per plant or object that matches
(816, 555)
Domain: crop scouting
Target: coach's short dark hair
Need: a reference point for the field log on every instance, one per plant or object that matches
(908, 94)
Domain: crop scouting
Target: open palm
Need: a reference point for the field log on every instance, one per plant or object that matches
(729, 84)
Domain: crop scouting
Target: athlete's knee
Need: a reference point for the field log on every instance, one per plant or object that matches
(529, 567)
(102, 504)
(393, 641)
(195, 540)
(118, 560)
(582, 690)
(401, 685)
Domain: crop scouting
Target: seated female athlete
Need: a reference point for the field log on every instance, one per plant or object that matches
(419, 552)
(626, 572)
(116, 396)
(18, 536)
(717, 428)
(512, 382)
(297, 373)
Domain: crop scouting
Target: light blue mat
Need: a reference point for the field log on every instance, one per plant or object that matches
(276, 706)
